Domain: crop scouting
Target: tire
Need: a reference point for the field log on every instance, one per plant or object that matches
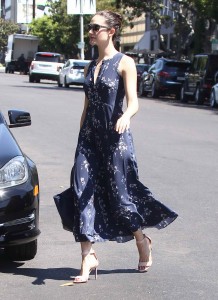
(183, 96)
(198, 96)
(6, 69)
(31, 78)
(38, 80)
(59, 84)
(141, 89)
(154, 91)
(177, 96)
(22, 252)
(66, 85)
(213, 102)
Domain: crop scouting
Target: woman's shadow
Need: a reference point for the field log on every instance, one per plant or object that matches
(41, 275)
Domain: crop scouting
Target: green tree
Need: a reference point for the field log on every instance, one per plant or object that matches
(6, 28)
(191, 18)
(60, 32)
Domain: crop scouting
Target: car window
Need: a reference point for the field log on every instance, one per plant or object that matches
(202, 63)
(176, 66)
(142, 68)
(80, 65)
(158, 65)
(48, 57)
(212, 66)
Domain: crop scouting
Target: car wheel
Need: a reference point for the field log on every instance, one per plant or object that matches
(66, 85)
(154, 91)
(6, 69)
(198, 96)
(31, 78)
(141, 89)
(22, 252)
(178, 95)
(59, 84)
(213, 102)
(183, 96)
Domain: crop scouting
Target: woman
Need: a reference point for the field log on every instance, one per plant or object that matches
(110, 201)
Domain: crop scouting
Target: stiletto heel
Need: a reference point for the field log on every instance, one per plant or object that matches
(143, 266)
(94, 267)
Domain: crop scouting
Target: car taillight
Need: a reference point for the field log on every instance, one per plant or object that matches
(163, 74)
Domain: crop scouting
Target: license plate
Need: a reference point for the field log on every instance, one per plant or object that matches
(180, 78)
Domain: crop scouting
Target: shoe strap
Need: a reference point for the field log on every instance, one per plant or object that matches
(145, 237)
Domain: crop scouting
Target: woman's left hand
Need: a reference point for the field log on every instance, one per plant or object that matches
(123, 123)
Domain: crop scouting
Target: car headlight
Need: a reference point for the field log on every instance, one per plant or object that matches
(15, 172)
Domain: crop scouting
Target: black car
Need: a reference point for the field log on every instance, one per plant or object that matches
(165, 77)
(19, 193)
(200, 78)
(141, 68)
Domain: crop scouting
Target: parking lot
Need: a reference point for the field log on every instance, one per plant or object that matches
(176, 147)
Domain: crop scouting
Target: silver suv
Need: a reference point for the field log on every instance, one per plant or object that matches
(46, 65)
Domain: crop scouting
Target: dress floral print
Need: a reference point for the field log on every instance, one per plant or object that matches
(110, 201)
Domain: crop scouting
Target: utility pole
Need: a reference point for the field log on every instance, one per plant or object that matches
(34, 9)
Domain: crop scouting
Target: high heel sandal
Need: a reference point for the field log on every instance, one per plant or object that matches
(85, 278)
(143, 266)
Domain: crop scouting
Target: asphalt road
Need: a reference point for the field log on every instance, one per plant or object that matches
(176, 147)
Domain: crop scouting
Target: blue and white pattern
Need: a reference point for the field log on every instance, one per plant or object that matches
(110, 201)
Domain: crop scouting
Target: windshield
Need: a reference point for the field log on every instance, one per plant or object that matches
(176, 66)
(48, 57)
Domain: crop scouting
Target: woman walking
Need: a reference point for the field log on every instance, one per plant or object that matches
(110, 201)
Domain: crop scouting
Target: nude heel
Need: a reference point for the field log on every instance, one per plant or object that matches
(143, 266)
(83, 278)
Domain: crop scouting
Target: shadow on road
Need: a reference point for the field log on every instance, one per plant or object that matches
(40, 275)
(53, 87)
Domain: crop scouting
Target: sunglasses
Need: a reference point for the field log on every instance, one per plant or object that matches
(96, 27)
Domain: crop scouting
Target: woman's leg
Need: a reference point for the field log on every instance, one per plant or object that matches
(144, 249)
(89, 262)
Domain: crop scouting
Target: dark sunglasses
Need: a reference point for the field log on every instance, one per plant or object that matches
(96, 27)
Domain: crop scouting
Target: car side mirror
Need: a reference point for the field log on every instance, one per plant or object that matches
(19, 118)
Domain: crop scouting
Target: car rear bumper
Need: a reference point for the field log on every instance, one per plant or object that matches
(49, 76)
(77, 80)
(170, 85)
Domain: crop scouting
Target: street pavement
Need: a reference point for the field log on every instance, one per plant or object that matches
(176, 147)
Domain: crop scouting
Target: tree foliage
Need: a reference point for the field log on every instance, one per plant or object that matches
(59, 31)
(193, 18)
(6, 28)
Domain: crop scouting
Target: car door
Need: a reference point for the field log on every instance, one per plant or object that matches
(64, 71)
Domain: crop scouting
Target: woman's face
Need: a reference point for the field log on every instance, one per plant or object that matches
(98, 30)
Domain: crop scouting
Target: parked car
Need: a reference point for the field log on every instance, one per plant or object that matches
(19, 192)
(141, 68)
(72, 73)
(214, 92)
(46, 65)
(200, 78)
(165, 77)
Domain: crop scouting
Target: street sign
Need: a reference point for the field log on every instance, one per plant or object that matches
(81, 7)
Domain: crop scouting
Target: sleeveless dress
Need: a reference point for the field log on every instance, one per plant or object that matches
(110, 201)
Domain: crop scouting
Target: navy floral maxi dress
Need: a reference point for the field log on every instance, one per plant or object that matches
(110, 201)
